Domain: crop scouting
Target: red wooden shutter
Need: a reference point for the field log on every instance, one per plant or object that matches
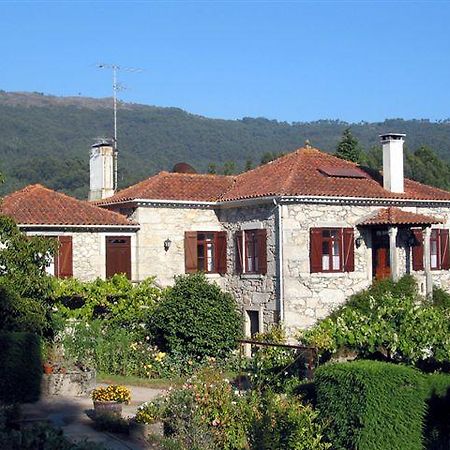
(239, 255)
(221, 252)
(315, 250)
(348, 249)
(190, 251)
(445, 253)
(261, 244)
(417, 250)
(64, 259)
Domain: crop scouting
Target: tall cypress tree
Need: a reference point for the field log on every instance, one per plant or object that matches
(349, 148)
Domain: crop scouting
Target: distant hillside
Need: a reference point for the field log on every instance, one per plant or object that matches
(47, 139)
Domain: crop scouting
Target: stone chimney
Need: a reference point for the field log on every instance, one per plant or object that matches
(393, 161)
(101, 169)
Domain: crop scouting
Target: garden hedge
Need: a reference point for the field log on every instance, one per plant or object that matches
(437, 421)
(20, 367)
(372, 405)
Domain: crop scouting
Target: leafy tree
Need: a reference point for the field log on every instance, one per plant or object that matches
(229, 168)
(23, 261)
(349, 148)
(212, 168)
(248, 165)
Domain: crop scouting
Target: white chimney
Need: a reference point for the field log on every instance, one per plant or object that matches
(393, 161)
(101, 169)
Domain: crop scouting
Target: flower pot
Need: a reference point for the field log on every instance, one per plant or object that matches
(48, 368)
(111, 408)
(141, 431)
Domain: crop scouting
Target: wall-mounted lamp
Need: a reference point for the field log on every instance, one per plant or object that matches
(167, 243)
(359, 241)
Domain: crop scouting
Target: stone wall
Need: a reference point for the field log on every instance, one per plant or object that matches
(309, 297)
(253, 292)
(89, 252)
(160, 223)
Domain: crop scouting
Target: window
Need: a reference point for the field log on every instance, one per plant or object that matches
(439, 249)
(205, 251)
(251, 251)
(332, 250)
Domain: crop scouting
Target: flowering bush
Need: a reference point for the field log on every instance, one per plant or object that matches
(284, 422)
(206, 404)
(208, 413)
(148, 412)
(111, 393)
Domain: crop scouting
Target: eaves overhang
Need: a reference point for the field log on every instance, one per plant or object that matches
(79, 228)
(285, 199)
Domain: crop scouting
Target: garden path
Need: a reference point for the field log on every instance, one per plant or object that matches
(71, 415)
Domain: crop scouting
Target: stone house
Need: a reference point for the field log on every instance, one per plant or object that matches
(93, 242)
(291, 239)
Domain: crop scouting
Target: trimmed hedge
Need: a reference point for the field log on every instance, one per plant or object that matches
(20, 367)
(372, 405)
(437, 422)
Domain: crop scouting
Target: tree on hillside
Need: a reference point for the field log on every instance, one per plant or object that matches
(349, 148)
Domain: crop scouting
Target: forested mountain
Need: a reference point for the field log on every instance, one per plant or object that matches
(47, 139)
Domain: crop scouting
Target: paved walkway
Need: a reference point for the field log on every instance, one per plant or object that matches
(70, 414)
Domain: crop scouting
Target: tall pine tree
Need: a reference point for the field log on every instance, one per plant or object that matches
(349, 148)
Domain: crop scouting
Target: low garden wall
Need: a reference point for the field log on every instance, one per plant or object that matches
(71, 383)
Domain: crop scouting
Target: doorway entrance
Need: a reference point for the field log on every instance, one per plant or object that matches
(118, 256)
(381, 266)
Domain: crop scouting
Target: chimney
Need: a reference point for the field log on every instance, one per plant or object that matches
(393, 161)
(101, 170)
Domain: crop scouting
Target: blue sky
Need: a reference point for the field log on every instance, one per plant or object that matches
(293, 61)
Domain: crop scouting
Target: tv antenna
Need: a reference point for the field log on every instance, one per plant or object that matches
(116, 87)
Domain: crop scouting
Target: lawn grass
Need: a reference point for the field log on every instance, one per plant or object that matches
(155, 383)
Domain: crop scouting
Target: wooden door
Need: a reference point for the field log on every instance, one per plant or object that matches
(382, 264)
(380, 255)
(118, 256)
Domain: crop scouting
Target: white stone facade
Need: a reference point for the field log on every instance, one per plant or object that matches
(89, 251)
(306, 297)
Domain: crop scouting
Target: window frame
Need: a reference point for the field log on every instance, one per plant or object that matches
(205, 242)
(218, 241)
(251, 238)
(345, 241)
(330, 241)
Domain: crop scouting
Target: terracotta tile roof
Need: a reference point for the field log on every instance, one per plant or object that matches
(37, 205)
(395, 216)
(305, 172)
(176, 186)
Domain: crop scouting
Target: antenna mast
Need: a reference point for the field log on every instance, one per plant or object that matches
(116, 87)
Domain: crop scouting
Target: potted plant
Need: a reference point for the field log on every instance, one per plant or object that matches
(109, 399)
(147, 421)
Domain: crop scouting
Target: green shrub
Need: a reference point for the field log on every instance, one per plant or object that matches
(441, 298)
(371, 405)
(284, 422)
(362, 301)
(274, 367)
(196, 318)
(205, 413)
(437, 423)
(21, 314)
(116, 300)
(400, 328)
(20, 367)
